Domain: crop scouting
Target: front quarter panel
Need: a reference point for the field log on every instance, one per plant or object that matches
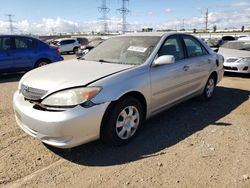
(115, 86)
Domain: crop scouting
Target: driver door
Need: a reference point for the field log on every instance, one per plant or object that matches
(168, 81)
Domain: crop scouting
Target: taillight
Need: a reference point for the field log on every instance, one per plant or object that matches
(58, 50)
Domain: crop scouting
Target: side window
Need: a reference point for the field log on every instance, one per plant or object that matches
(24, 43)
(194, 47)
(5, 43)
(172, 46)
(72, 41)
(67, 42)
(62, 42)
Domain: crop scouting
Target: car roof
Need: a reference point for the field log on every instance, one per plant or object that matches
(18, 36)
(153, 34)
(61, 39)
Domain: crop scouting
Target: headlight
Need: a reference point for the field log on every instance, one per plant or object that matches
(245, 59)
(71, 97)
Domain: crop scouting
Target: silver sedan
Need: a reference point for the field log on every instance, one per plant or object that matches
(237, 56)
(115, 87)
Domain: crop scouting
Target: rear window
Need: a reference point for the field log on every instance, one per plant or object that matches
(5, 43)
(237, 45)
(24, 43)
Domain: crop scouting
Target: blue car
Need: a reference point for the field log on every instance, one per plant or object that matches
(23, 53)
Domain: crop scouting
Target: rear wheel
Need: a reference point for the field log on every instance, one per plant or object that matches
(122, 122)
(75, 50)
(41, 63)
(209, 88)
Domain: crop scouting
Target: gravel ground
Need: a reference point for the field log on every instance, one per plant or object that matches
(195, 144)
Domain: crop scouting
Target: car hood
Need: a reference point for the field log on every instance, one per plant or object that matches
(233, 53)
(68, 74)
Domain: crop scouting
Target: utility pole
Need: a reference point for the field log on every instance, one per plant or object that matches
(124, 11)
(183, 24)
(104, 10)
(11, 27)
(206, 21)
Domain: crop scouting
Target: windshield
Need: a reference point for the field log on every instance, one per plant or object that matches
(237, 45)
(132, 50)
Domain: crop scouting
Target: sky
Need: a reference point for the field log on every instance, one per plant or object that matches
(47, 16)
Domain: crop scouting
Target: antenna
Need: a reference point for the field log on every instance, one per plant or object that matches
(206, 21)
(104, 10)
(124, 11)
(11, 27)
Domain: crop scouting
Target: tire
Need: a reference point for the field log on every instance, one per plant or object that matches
(122, 122)
(209, 88)
(41, 63)
(75, 50)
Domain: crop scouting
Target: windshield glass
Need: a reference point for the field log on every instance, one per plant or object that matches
(132, 50)
(237, 45)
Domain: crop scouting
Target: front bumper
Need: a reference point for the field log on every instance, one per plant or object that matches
(64, 129)
(237, 67)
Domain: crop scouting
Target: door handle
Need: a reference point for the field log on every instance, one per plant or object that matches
(186, 68)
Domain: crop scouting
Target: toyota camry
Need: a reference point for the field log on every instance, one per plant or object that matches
(113, 89)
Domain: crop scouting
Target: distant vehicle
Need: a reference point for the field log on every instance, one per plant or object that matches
(214, 43)
(237, 56)
(86, 48)
(225, 39)
(120, 83)
(82, 40)
(22, 53)
(66, 45)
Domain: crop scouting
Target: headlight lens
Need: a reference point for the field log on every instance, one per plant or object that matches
(71, 97)
(245, 59)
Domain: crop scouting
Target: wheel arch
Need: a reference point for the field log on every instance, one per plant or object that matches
(42, 59)
(215, 75)
(135, 94)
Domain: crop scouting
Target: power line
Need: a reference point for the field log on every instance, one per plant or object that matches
(124, 11)
(11, 27)
(104, 10)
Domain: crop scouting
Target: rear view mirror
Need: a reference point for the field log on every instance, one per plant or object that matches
(165, 59)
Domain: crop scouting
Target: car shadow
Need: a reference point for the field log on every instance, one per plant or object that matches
(162, 131)
(12, 77)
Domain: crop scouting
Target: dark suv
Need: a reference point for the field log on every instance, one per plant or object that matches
(22, 53)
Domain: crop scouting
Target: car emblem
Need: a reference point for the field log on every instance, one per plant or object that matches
(26, 89)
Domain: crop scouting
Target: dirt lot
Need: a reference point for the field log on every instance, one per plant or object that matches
(195, 144)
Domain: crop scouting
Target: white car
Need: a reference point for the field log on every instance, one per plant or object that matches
(244, 39)
(237, 56)
(67, 45)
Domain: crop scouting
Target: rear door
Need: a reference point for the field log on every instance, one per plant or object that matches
(199, 63)
(67, 45)
(6, 60)
(24, 53)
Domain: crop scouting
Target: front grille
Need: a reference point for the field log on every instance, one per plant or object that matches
(32, 93)
(230, 68)
(231, 60)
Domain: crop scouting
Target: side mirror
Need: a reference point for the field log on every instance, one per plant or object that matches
(164, 60)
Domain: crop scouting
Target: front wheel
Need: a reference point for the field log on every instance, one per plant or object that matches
(209, 88)
(123, 122)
